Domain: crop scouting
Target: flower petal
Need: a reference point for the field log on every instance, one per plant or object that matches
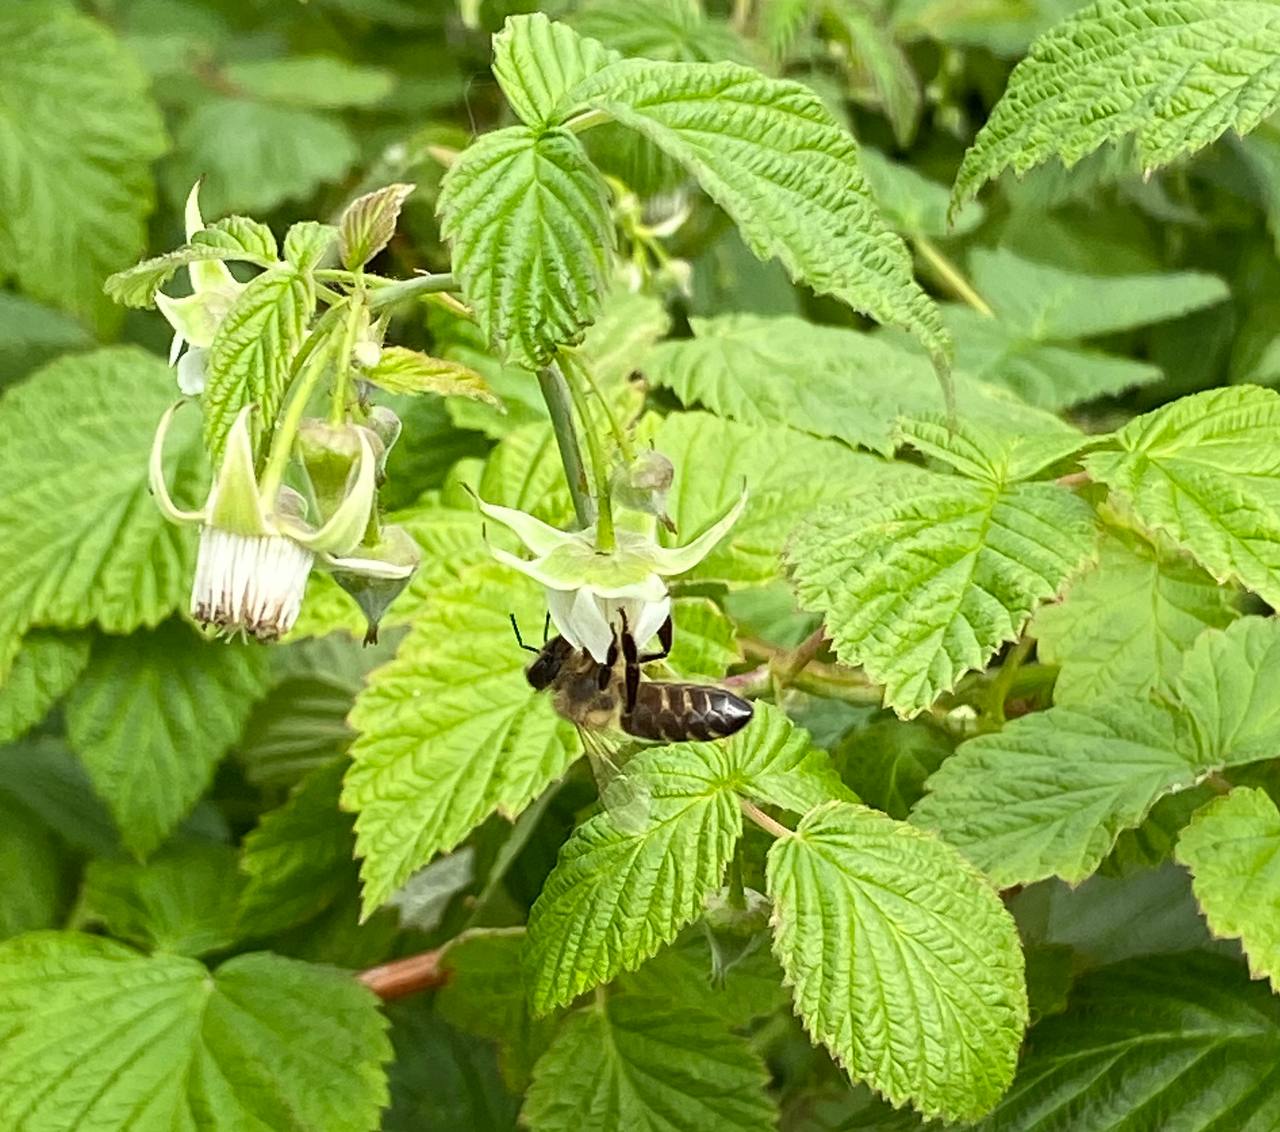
(159, 488)
(191, 370)
(586, 625)
(194, 317)
(538, 536)
(234, 503)
(207, 274)
(646, 618)
(348, 523)
(678, 559)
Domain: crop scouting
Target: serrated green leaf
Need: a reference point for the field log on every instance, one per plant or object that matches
(773, 760)
(94, 1035)
(537, 62)
(1232, 848)
(181, 902)
(921, 579)
(1159, 1038)
(886, 763)
(299, 857)
(152, 716)
(1227, 685)
(1041, 311)
(705, 641)
(450, 730)
(43, 671)
(317, 82)
(33, 871)
(1050, 793)
(252, 351)
(307, 242)
(254, 156)
(78, 136)
(903, 960)
(770, 154)
(1177, 74)
(528, 221)
(136, 286)
(240, 234)
(1045, 303)
(1125, 623)
(1205, 470)
(80, 542)
(623, 889)
(485, 995)
(670, 30)
(821, 380)
(636, 1064)
(369, 222)
(401, 370)
(786, 474)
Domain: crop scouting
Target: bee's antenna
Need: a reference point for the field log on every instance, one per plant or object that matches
(520, 639)
(546, 627)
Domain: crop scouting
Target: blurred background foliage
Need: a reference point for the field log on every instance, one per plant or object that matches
(288, 110)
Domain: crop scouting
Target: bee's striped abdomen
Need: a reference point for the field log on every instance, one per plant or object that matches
(673, 713)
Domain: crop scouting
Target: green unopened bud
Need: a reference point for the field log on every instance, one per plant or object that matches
(735, 931)
(644, 486)
(376, 575)
(330, 455)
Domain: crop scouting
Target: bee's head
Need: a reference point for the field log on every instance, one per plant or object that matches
(550, 660)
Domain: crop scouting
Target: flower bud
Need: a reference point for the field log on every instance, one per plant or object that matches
(645, 485)
(376, 575)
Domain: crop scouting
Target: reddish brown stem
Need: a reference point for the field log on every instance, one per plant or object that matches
(403, 977)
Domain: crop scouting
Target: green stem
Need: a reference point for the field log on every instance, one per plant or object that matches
(763, 820)
(338, 405)
(586, 120)
(555, 392)
(397, 292)
(998, 693)
(306, 371)
(951, 275)
(620, 436)
(604, 506)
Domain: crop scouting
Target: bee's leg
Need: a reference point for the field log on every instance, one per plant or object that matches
(632, 667)
(604, 672)
(665, 634)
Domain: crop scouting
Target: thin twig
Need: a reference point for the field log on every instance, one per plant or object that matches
(763, 820)
(951, 275)
(403, 977)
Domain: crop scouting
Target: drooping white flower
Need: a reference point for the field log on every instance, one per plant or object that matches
(256, 548)
(588, 589)
(195, 318)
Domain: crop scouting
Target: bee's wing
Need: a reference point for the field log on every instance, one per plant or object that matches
(626, 798)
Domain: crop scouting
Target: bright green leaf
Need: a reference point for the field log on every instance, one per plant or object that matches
(903, 960)
(43, 671)
(887, 762)
(369, 222)
(536, 62)
(1177, 75)
(94, 1035)
(1232, 848)
(1050, 793)
(182, 901)
(450, 730)
(307, 243)
(822, 380)
(77, 136)
(670, 30)
(771, 155)
(639, 1065)
(1126, 622)
(911, 203)
(151, 718)
(1205, 470)
(136, 286)
(400, 370)
(705, 641)
(80, 540)
(33, 871)
(252, 351)
(922, 578)
(1159, 1039)
(773, 760)
(621, 888)
(528, 221)
(245, 237)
